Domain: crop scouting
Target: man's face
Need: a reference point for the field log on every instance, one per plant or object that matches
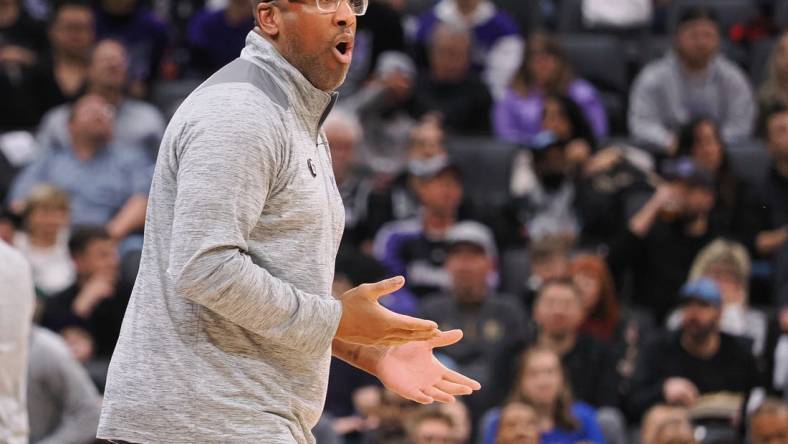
(770, 429)
(72, 31)
(558, 310)
(697, 42)
(426, 142)
(319, 45)
(519, 425)
(100, 257)
(93, 119)
(449, 56)
(442, 193)
(468, 265)
(777, 137)
(699, 319)
(109, 65)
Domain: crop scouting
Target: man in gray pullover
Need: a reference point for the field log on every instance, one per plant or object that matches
(231, 325)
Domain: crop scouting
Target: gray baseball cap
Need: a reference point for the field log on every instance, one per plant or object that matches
(473, 233)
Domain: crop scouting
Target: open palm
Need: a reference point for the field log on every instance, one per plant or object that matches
(411, 371)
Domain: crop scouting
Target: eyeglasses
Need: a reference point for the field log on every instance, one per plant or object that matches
(359, 7)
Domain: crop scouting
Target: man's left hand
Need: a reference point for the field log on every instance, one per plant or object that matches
(411, 371)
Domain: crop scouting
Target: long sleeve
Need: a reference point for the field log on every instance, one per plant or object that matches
(505, 123)
(216, 210)
(645, 118)
(587, 97)
(67, 385)
(740, 115)
(647, 380)
(32, 175)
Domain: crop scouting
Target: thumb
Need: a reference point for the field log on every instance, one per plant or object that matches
(385, 287)
(446, 338)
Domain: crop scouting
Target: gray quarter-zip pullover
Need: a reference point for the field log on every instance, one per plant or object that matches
(227, 338)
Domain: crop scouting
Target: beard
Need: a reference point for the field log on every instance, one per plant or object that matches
(314, 67)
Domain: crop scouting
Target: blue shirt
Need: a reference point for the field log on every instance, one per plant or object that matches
(586, 415)
(98, 187)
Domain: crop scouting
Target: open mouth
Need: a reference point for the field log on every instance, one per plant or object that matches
(343, 50)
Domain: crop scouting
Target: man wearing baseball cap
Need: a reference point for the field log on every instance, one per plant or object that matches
(680, 367)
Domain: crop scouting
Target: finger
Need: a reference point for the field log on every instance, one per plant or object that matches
(417, 396)
(403, 322)
(438, 395)
(384, 287)
(453, 388)
(415, 335)
(446, 338)
(457, 378)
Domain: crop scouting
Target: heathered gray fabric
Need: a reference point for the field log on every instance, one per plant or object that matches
(227, 336)
(17, 300)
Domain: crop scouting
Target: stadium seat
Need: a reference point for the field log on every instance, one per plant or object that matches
(600, 59)
(485, 164)
(526, 13)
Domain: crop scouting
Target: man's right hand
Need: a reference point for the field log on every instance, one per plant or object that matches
(364, 321)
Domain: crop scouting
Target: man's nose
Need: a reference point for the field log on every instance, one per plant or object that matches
(344, 15)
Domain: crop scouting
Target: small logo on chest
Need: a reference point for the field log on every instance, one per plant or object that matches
(312, 168)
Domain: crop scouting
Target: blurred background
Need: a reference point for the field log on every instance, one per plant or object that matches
(595, 191)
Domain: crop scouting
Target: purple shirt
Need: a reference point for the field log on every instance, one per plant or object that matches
(517, 118)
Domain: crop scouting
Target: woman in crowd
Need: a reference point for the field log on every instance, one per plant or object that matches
(44, 239)
(541, 383)
(700, 140)
(566, 120)
(603, 312)
(544, 71)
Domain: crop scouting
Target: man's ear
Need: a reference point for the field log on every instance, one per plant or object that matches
(267, 18)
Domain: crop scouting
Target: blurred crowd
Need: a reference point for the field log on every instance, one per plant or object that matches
(594, 191)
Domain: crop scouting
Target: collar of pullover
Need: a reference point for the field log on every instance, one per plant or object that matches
(310, 102)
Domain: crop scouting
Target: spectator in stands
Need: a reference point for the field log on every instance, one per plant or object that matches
(549, 260)
(674, 431)
(692, 80)
(44, 239)
(460, 416)
(107, 186)
(601, 308)
(450, 87)
(768, 424)
(766, 221)
(416, 248)
(398, 200)
(774, 90)
(497, 44)
(545, 71)
(701, 141)
(384, 106)
(392, 415)
(97, 301)
(679, 368)
(145, 36)
(519, 424)
(380, 32)
(138, 125)
(655, 417)
(63, 404)
(565, 119)
(344, 135)
(543, 190)
(24, 38)
(429, 425)
(491, 322)
(665, 235)
(31, 90)
(541, 383)
(216, 37)
(727, 263)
